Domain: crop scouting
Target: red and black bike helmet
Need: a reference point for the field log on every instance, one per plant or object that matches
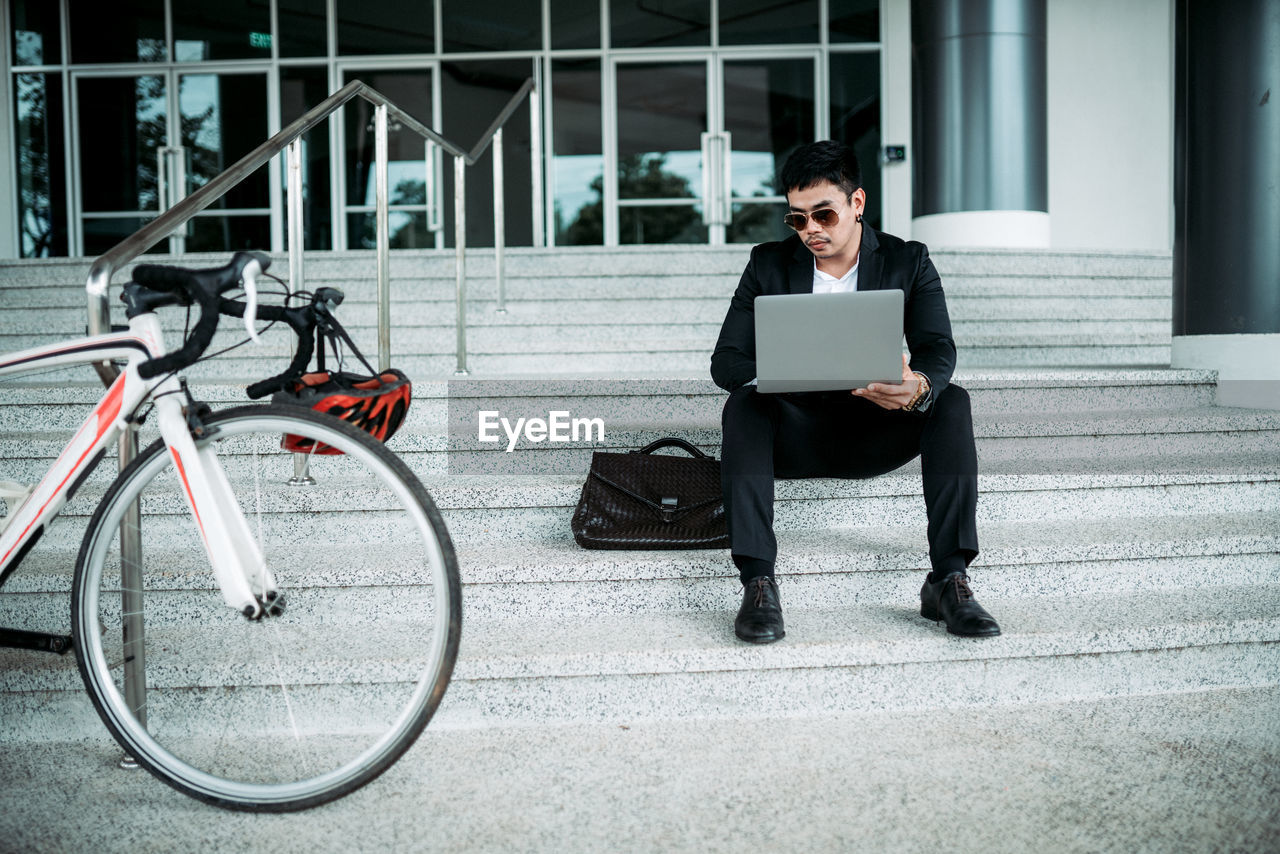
(376, 405)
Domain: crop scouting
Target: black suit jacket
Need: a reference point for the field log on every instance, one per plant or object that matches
(884, 261)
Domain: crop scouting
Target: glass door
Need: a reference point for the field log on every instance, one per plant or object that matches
(699, 142)
(144, 142)
(661, 150)
(222, 116)
(123, 144)
(768, 109)
(414, 165)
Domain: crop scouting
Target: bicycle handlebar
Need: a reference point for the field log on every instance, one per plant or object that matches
(203, 287)
(155, 286)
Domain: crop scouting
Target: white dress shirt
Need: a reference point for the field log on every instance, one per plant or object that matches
(824, 284)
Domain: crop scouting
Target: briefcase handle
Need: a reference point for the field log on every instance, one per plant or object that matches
(673, 442)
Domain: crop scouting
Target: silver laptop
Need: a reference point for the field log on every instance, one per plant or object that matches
(823, 342)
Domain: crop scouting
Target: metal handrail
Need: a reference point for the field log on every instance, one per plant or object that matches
(177, 216)
(106, 265)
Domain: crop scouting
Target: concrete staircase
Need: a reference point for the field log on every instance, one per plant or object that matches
(1130, 528)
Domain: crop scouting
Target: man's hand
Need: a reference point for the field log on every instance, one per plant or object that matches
(892, 396)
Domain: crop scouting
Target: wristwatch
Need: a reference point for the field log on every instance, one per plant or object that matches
(921, 395)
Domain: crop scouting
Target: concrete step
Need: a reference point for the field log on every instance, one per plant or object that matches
(1090, 309)
(528, 507)
(976, 340)
(1183, 773)
(664, 356)
(65, 397)
(819, 568)
(858, 658)
(638, 260)
(670, 318)
(427, 449)
(1039, 342)
(532, 507)
(670, 666)
(674, 285)
(1000, 438)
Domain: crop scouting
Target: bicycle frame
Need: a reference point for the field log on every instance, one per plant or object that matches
(238, 565)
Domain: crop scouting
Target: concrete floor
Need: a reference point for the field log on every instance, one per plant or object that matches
(1173, 773)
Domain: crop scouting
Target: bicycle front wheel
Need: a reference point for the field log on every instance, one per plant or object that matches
(296, 708)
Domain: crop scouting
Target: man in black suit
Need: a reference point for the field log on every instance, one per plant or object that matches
(859, 433)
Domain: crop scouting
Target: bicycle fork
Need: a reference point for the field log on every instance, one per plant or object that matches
(238, 564)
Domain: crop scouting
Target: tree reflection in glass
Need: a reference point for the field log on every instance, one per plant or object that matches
(41, 174)
(641, 176)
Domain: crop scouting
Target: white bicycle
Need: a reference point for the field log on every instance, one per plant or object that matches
(262, 629)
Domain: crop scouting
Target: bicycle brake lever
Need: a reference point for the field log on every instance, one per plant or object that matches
(249, 282)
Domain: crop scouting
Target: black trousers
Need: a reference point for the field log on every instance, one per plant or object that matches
(835, 434)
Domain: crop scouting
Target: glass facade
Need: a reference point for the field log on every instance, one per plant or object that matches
(406, 162)
(577, 162)
(301, 88)
(656, 121)
(41, 165)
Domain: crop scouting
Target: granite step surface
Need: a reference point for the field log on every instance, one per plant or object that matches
(1141, 351)
(670, 317)
(819, 568)
(668, 666)
(436, 296)
(64, 398)
(608, 261)
(515, 506)
(1155, 774)
(538, 507)
(426, 448)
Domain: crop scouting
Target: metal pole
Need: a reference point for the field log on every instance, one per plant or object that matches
(460, 247)
(133, 626)
(296, 246)
(178, 190)
(295, 215)
(383, 238)
(536, 141)
(100, 324)
(499, 223)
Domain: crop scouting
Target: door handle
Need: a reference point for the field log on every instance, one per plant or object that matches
(709, 195)
(726, 185)
(433, 203)
(716, 204)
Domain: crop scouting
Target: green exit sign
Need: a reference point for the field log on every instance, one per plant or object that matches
(260, 40)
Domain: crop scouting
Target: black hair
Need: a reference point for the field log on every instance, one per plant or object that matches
(824, 160)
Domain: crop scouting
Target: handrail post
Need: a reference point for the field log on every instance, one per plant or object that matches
(134, 625)
(294, 168)
(383, 237)
(100, 321)
(499, 223)
(536, 140)
(460, 248)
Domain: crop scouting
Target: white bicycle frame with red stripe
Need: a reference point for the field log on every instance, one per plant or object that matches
(237, 562)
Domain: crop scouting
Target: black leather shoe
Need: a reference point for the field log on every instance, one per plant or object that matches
(951, 600)
(760, 617)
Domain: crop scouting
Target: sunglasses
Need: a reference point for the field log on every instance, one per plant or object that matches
(826, 217)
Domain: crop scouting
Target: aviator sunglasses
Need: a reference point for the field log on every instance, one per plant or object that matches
(826, 217)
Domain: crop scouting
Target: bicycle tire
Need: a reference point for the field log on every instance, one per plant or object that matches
(294, 710)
